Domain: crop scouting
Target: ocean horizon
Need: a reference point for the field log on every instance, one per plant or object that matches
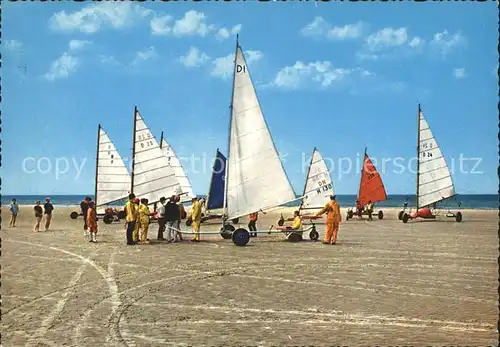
(467, 201)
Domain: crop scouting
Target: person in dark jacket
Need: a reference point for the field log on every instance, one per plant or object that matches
(172, 215)
(48, 208)
(84, 206)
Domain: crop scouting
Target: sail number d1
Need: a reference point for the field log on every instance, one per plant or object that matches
(241, 68)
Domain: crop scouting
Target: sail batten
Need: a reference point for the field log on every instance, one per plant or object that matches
(256, 178)
(153, 176)
(371, 186)
(319, 185)
(112, 177)
(178, 169)
(434, 177)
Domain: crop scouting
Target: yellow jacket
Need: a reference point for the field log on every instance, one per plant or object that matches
(297, 223)
(144, 213)
(332, 210)
(131, 210)
(196, 211)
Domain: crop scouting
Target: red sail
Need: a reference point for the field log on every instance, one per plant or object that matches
(371, 186)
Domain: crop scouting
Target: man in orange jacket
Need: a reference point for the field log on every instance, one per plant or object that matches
(333, 219)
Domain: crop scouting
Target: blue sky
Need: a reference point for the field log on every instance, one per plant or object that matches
(337, 76)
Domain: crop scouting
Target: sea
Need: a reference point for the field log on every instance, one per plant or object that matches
(479, 201)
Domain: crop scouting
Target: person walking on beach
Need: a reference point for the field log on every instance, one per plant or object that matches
(92, 221)
(84, 206)
(144, 214)
(161, 219)
(182, 215)
(38, 215)
(172, 215)
(48, 208)
(130, 218)
(333, 219)
(14, 210)
(196, 218)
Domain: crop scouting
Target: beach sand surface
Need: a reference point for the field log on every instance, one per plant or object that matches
(387, 283)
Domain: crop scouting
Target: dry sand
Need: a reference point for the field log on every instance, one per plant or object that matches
(385, 282)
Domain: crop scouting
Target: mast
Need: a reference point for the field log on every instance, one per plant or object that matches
(362, 170)
(226, 168)
(97, 163)
(133, 152)
(161, 139)
(418, 153)
(307, 178)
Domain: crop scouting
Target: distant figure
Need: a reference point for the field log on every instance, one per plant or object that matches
(333, 219)
(84, 206)
(369, 209)
(38, 215)
(296, 224)
(172, 215)
(92, 221)
(48, 208)
(161, 219)
(359, 208)
(130, 218)
(252, 219)
(135, 234)
(14, 210)
(144, 216)
(196, 218)
(182, 215)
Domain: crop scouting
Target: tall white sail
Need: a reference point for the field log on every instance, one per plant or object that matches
(153, 177)
(113, 179)
(256, 178)
(319, 185)
(434, 180)
(175, 164)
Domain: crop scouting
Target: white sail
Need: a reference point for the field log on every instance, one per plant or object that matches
(113, 178)
(256, 178)
(153, 176)
(175, 164)
(434, 182)
(319, 185)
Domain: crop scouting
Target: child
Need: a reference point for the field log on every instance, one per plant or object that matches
(14, 209)
(144, 218)
(92, 222)
(38, 215)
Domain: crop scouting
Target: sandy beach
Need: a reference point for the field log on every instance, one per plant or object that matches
(385, 282)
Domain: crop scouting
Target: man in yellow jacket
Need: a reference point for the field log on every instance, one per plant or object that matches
(196, 217)
(131, 216)
(333, 219)
(296, 224)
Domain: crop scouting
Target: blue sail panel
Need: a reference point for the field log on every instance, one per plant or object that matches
(215, 197)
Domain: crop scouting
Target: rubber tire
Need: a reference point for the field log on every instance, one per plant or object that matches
(295, 237)
(314, 235)
(235, 220)
(458, 217)
(240, 237)
(281, 221)
(121, 215)
(400, 215)
(227, 228)
(189, 221)
(226, 235)
(380, 215)
(73, 215)
(107, 219)
(405, 218)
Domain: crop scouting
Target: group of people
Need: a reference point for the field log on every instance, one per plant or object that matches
(39, 213)
(368, 208)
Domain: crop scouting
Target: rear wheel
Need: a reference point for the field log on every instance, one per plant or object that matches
(405, 218)
(400, 215)
(107, 219)
(295, 237)
(235, 220)
(281, 221)
(73, 215)
(121, 214)
(380, 215)
(458, 217)
(240, 237)
(314, 235)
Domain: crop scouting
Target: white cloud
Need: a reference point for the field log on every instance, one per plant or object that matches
(161, 25)
(416, 42)
(223, 66)
(367, 56)
(459, 73)
(387, 37)
(108, 59)
(319, 27)
(193, 23)
(194, 58)
(13, 45)
(320, 72)
(147, 54)
(62, 67)
(444, 42)
(75, 45)
(224, 33)
(96, 16)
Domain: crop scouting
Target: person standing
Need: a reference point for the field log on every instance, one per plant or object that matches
(92, 221)
(369, 210)
(333, 219)
(252, 219)
(84, 206)
(130, 218)
(38, 215)
(196, 218)
(182, 215)
(14, 210)
(172, 215)
(144, 216)
(161, 219)
(137, 227)
(48, 208)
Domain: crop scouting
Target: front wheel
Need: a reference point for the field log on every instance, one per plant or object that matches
(314, 235)
(406, 216)
(458, 217)
(107, 219)
(73, 215)
(400, 215)
(240, 237)
(380, 215)
(121, 214)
